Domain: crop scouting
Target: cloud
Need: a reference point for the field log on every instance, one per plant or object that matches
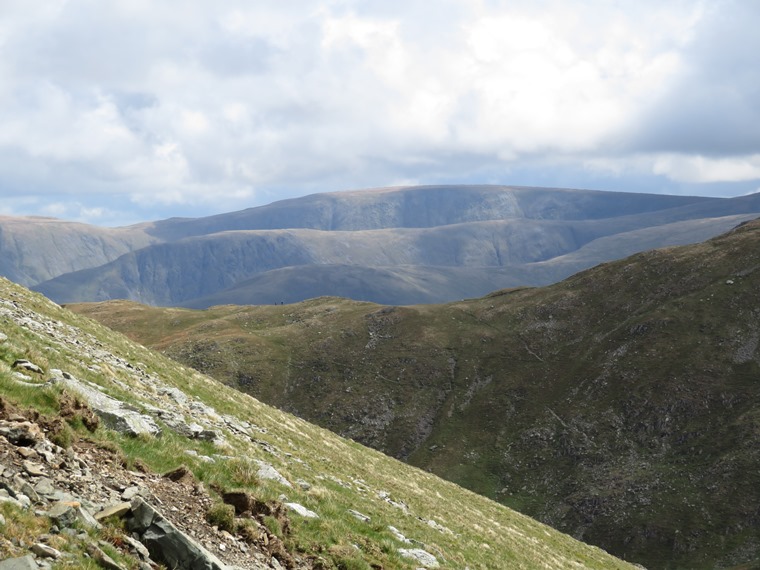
(712, 106)
(700, 169)
(218, 105)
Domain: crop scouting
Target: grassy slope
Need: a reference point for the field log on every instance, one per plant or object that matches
(621, 405)
(345, 474)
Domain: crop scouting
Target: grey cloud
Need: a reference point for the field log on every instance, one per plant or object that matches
(714, 107)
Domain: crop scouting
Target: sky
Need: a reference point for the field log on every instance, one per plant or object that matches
(120, 111)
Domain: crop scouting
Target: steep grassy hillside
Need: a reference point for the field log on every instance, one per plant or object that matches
(621, 405)
(357, 493)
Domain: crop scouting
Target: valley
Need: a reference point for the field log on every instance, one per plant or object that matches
(113, 456)
(620, 406)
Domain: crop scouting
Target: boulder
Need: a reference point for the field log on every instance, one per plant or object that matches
(45, 551)
(63, 514)
(166, 543)
(128, 422)
(117, 510)
(359, 516)
(421, 557)
(103, 560)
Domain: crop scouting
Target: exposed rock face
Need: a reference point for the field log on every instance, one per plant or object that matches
(74, 495)
(114, 413)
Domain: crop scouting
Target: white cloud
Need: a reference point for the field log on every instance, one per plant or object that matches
(701, 169)
(241, 100)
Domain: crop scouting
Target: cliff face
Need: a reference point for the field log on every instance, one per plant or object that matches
(620, 405)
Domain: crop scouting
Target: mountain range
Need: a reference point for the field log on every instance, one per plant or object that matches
(399, 246)
(621, 405)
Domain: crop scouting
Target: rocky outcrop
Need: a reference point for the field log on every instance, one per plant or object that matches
(115, 414)
(166, 543)
(421, 557)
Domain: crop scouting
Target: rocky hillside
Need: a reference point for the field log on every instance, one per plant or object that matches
(112, 456)
(621, 405)
(419, 241)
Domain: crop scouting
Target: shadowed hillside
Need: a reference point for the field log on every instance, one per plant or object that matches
(621, 405)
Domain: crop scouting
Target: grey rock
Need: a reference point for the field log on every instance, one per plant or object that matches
(23, 563)
(422, 557)
(266, 471)
(44, 487)
(3, 337)
(30, 492)
(209, 435)
(301, 510)
(45, 551)
(103, 560)
(166, 543)
(137, 546)
(5, 498)
(174, 393)
(63, 514)
(85, 517)
(130, 493)
(128, 422)
(24, 501)
(26, 452)
(115, 414)
(179, 425)
(34, 469)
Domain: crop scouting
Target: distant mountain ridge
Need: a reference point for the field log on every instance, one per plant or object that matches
(420, 239)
